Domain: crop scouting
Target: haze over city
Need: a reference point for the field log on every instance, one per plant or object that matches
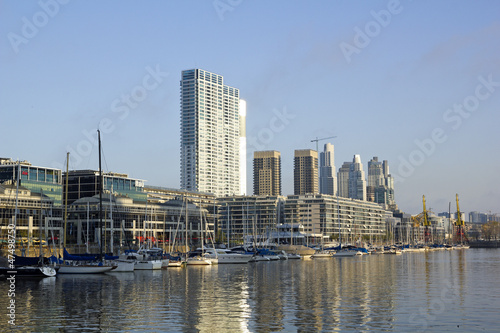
(414, 83)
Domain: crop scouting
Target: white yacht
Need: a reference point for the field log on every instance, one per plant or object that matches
(225, 256)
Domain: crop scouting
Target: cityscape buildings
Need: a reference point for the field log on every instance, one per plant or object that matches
(305, 171)
(327, 176)
(211, 136)
(357, 182)
(213, 194)
(267, 173)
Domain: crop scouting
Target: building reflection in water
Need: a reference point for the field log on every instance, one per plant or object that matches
(380, 292)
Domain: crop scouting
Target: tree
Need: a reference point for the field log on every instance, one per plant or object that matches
(491, 230)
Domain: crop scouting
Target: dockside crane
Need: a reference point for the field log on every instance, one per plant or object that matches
(427, 223)
(422, 219)
(460, 224)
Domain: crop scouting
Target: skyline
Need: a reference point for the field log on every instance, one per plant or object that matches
(386, 78)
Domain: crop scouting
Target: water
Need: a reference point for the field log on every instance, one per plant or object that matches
(434, 291)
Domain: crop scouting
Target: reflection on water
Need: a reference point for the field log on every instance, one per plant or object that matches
(436, 291)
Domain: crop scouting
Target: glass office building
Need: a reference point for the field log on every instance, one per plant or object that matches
(34, 178)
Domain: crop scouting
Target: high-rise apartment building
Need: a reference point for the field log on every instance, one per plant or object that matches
(375, 173)
(211, 135)
(305, 171)
(357, 182)
(343, 180)
(267, 173)
(380, 188)
(327, 178)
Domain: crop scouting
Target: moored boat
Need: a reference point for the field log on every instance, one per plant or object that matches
(29, 271)
(79, 268)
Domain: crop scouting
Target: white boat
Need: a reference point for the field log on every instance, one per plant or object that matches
(322, 254)
(123, 265)
(294, 256)
(176, 263)
(141, 261)
(225, 256)
(198, 261)
(147, 264)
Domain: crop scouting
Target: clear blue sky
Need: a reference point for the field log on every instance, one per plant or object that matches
(388, 78)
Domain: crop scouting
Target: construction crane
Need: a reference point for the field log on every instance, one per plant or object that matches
(317, 140)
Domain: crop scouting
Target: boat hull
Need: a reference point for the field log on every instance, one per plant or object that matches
(198, 262)
(345, 254)
(124, 265)
(29, 271)
(84, 269)
(148, 265)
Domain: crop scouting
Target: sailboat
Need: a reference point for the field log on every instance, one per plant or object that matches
(122, 265)
(146, 258)
(74, 266)
(196, 257)
(342, 252)
(176, 260)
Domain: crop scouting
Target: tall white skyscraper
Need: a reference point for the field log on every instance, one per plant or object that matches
(211, 135)
(243, 147)
(327, 179)
(357, 180)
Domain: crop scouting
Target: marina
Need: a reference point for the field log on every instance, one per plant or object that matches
(416, 291)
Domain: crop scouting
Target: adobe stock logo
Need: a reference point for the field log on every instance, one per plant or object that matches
(453, 116)
(277, 124)
(223, 6)
(363, 37)
(31, 27)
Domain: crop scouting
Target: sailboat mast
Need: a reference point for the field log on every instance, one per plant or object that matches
(100, 196)
(66, 199)
(40, 226)
(17, 194)
(111, 218)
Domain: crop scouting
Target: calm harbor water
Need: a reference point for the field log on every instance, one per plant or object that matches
(442, 291)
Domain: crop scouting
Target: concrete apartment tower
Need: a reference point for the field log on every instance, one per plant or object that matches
(343, 180)
(375, 173)
(327, 177)
(210, 134)
(357, 182)
(305, 170)
(267, 173)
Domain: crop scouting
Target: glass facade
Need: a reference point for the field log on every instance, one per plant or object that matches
(35, 179)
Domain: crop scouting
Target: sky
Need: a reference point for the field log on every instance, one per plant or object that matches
(416, 83)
